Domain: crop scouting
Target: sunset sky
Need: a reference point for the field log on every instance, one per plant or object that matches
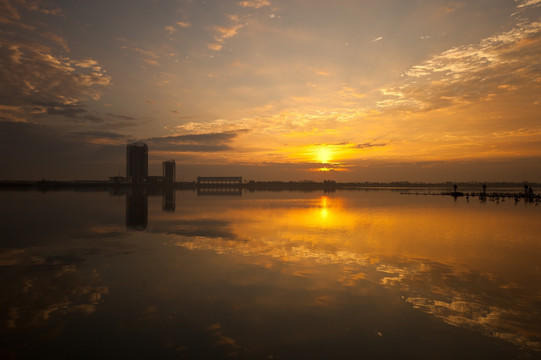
(366, 90)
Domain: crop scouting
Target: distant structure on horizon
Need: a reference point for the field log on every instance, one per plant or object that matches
(169, 171)
(137, 162)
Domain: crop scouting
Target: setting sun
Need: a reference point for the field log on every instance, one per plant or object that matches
(324, 155)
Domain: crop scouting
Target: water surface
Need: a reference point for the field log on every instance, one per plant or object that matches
(349, 274)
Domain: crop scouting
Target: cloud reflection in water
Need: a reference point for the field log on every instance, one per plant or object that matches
(442, 260)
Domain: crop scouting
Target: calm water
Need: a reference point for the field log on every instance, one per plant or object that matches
(285, 275)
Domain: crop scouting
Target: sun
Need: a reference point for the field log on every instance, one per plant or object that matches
(324, 155)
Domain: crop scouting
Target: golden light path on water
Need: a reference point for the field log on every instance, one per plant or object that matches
(443, 260)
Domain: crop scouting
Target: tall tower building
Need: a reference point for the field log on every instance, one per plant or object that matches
(169, 171)
(137, 162)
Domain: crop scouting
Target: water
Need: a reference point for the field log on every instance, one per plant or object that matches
(268, 275)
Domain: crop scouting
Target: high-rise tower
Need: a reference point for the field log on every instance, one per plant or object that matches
(169, 171)
(137, 162)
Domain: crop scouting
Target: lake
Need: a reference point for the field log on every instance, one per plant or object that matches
(350, 274)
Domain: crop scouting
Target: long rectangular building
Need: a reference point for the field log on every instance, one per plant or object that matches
(219, 181)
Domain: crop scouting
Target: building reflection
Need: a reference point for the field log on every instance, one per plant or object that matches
(168, 200)
(137, 205)
(219, 191)
(137, 209)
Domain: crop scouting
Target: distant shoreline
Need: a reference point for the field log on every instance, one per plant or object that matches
(262, 185)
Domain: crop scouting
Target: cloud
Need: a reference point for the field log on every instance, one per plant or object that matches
(256, 4)
(367, 145)
(65, 110)
(214, 46)
(170, 29)
(526, 3)
(209, 142)
(184, 24)
(32, 75)
(121, 117)
(227, 32)
(208, 228)
(222, 34)
(34, 66)
(322, 72)
(349, 145)
(56, 39)
(450, 8)
(505, 61)
(151, 62)
(41, 6)
(99, 134)
(69, 289)
(74, 111)
(149, 57)
(348, 93)
(9, 13)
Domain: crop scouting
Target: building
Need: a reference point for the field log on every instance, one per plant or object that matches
(219, 181)
(169, 171)
(155, 180)
(137, 162)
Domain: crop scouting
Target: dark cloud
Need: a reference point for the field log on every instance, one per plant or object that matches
(76, 112)
(68, 111)
(211, 142)
(200, 138)
(122, 117)
(368, 145)
(193, 147)
(92, 118)
(99, 134)
(36, 151)
(44, 7)
(9, 14)
(356, 146)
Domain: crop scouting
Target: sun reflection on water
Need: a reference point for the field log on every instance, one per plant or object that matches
(402, 248)
(324, 212)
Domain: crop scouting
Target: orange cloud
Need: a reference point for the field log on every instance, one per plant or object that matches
(184, 24)
(254, 3)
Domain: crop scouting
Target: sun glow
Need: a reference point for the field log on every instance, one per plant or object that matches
(324, 155)
(324, 212)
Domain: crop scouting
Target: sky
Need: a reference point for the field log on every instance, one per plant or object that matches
(366, 90)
